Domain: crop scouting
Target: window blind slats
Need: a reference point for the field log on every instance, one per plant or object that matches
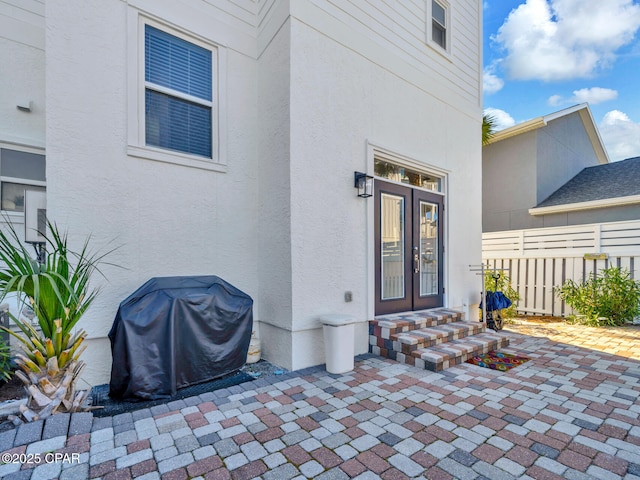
(182, 67)
(177, 64)
(176, 124)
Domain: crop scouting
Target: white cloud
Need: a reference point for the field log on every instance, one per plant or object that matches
(555, 100)
(592, 95)
(502, 118)
(491, 83)
(564, 39)
(620, 135)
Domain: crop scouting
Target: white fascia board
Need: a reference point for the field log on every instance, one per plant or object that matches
(573, 207)
(594, 135)
(518, 129)
(533, 124)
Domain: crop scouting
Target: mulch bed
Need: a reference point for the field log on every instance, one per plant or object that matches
(12, 390)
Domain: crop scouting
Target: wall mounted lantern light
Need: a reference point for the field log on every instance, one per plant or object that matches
(364, 184)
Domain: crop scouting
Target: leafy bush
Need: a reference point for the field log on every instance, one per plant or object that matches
(504, 286)
(609, 298)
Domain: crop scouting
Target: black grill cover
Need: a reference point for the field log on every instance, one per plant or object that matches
(178, 331)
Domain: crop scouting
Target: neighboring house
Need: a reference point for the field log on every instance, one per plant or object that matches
(555, 209)
(603, 193)
(524, 165)
(221, 137)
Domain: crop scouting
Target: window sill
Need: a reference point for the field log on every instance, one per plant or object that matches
(439, 50)
(12, 216)
(176, 158)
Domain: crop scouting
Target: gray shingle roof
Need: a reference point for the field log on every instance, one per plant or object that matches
(610, 180)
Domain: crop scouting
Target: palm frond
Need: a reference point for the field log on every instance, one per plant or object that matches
(56, 289)
(489, 124)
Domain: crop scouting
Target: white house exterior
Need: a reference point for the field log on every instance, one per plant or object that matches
(303, 94)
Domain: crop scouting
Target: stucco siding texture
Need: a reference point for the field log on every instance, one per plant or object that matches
(340, 100)
(166, 219)
(304, 88)
(22, 81)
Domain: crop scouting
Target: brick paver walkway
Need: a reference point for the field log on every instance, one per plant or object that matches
(571, 412)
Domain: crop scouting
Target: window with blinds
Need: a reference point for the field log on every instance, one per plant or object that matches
(178, 94)
(439, 24)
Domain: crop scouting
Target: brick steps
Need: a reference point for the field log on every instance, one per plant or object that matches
(408, 342)
(431, 339)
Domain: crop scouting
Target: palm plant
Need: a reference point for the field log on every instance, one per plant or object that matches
(5, 362)
(488, 128)
(57, 289)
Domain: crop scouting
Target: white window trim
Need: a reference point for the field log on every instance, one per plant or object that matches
(136, 146)
(445, 52)
(377, 150)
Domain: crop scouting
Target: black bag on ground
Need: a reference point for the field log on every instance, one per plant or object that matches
(178, 331)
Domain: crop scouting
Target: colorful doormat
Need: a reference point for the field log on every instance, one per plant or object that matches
(498, 361)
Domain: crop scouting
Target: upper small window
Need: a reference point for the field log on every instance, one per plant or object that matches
(178, 94)
(439, 24)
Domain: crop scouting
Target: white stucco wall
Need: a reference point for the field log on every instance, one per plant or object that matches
(22, 74)
(165, 219)
(22, 82)
(274, 199)
(340, 100)
(307, 91)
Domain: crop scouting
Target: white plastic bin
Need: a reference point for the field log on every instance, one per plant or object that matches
(338, 342)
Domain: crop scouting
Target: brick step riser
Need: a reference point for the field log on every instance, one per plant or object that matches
(443, 337)
(437, 366)
(380, 329)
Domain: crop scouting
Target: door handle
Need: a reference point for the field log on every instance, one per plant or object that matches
(416, 260)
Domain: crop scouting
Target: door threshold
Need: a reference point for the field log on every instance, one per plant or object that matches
(410, 313)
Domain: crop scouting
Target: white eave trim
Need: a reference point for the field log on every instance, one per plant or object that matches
(574, 207)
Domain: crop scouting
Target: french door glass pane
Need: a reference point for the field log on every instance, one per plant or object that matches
(428, 249)
(393, 245)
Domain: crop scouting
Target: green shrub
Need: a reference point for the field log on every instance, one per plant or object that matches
(609, 298)
(504, 286)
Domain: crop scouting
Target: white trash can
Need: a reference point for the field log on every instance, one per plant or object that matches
(338, 342)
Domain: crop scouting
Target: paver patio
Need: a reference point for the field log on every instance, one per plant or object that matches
(571, 412)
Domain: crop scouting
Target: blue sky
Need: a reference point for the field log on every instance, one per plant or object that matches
(541, 56)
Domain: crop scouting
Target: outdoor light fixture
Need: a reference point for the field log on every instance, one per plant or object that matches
(364, 184)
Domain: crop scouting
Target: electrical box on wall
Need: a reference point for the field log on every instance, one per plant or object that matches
(35, 216)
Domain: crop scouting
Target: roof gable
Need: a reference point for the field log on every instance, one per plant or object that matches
(587, 120)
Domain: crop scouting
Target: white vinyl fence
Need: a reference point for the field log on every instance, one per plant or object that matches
(537, 260)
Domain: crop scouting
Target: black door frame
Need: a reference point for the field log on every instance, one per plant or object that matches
(412, 299)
